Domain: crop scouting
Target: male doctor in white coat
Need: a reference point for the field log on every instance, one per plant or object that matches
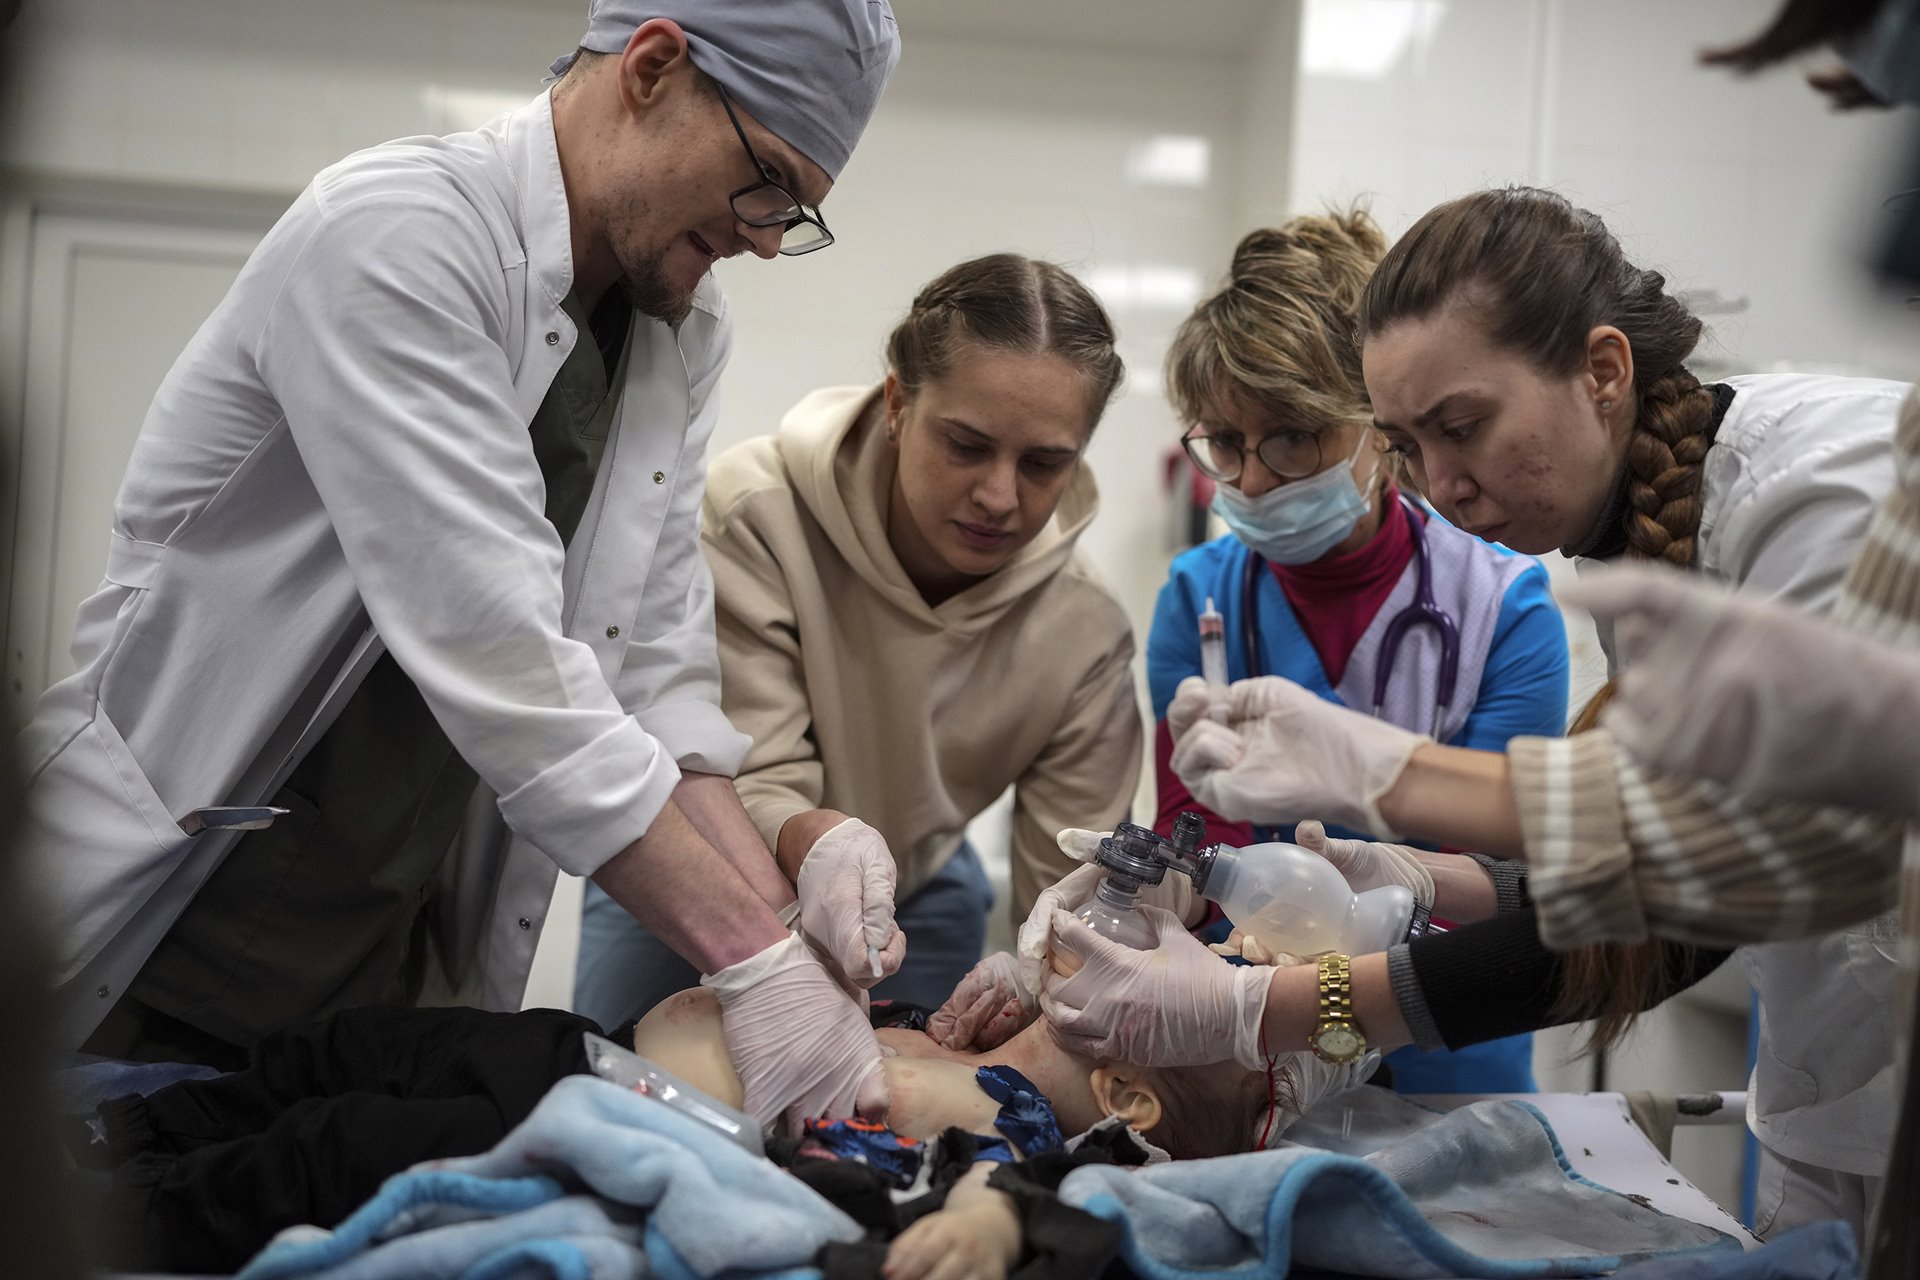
(408, 546)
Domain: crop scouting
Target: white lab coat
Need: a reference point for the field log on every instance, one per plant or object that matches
(338, 463)
(1790, 485)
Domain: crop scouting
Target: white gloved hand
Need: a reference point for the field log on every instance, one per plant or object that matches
(987, 1009)
(1369, 864)
(1195, 700)
(1036, 934)
(846, 889)
(1174, 893)
(802, 1047)
(1284, 752)
(1769, 701)
(1176, 1005)
(1249, 948)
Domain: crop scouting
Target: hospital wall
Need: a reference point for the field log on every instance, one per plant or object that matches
(145, 135)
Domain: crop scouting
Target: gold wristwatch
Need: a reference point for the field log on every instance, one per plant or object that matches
(1337, 1037)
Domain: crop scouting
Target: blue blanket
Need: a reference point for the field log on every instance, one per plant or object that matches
(598, 1182)
(1372, 1185)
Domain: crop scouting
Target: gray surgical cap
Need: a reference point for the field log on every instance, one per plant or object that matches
(810, 70)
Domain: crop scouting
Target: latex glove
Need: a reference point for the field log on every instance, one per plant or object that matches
(987, 1009)
(1369, 864)
(1176, 1005)
(1195, 700)
(802, 1048)
(1252, 950)
(846, 903)
(1174, 893)
(1033, 944)
(1284, 752)
(1772, 702)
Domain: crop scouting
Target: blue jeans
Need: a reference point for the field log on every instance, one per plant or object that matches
(624, 970)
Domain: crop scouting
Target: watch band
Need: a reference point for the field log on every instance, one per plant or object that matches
(1336, 1037)
(1336, 988)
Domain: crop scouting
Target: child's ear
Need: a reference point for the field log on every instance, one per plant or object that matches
(1120, 1091)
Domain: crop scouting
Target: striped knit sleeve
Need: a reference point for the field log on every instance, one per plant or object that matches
(1617, 853)
(1582, 873)
(1881, 598)
(1881, 594)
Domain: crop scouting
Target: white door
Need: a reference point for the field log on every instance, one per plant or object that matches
(111, 302)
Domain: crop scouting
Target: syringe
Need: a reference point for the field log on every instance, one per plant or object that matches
(1213, 659)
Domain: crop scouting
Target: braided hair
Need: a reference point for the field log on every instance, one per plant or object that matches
(1543, 275)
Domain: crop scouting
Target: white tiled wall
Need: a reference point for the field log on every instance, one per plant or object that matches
(1749, 188)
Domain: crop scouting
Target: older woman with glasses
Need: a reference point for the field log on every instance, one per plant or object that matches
(1330, 575)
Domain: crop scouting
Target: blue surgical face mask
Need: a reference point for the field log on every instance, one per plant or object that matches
(1302, 520)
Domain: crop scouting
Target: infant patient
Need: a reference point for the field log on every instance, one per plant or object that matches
(205, 1171)
(1187, 1112)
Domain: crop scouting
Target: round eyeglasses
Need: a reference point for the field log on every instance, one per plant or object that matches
(767, 203)
(1291, 453)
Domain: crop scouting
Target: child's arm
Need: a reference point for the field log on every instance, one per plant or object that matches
(975, 1236)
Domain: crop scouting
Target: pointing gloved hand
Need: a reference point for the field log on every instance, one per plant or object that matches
(1369, 864)
(846, 903)
(987, 1009)
(1767, 700)
(1284, 752)
(1174, 893)
(1176, 1005)
(802, 1047)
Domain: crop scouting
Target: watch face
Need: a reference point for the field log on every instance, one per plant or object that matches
(1338, 1042)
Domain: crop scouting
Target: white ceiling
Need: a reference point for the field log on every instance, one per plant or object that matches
(1199, 28)
(1202, 28)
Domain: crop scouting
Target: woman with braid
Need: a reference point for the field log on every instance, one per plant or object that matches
(1534, 383)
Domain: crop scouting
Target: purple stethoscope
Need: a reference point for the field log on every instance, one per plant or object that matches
(1422, 612)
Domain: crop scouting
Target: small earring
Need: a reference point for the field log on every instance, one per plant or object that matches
(1606, 405)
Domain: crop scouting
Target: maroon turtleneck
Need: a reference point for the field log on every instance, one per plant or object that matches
(1336, 597)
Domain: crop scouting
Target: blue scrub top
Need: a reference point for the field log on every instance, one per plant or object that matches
(1523, 692)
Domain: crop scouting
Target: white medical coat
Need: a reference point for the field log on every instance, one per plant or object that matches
(339, 462)
(1796, 470)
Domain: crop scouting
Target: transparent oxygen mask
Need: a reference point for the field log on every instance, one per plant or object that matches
(1132, 861)
(1290, 898)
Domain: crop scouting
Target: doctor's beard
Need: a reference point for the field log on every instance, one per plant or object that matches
(651, 294)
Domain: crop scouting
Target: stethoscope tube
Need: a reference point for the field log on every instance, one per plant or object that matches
(1422, 612)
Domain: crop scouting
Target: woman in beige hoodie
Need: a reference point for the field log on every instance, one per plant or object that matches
(906, 628)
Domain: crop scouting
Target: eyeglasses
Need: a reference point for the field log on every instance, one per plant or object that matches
(768, 204)
(1292, 453)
